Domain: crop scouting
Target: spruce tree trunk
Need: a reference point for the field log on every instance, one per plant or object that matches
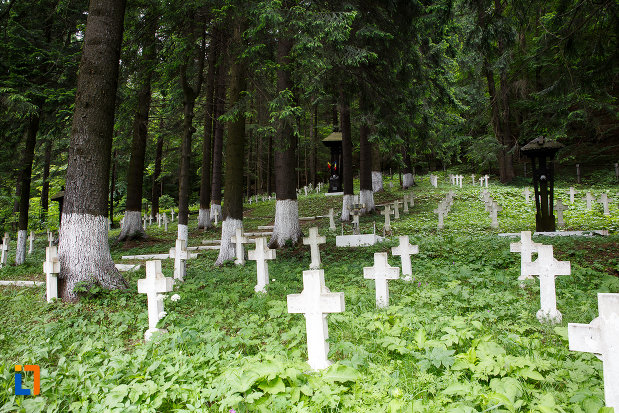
(366, 194)
(24, 198)
(270, 166)
(156, 191)
(286, 226)
(46, 167)
(84, 250)
(314, 147)
(235, 154)
(132, 227)
(218, 138)
(346, 168)
(112, 189)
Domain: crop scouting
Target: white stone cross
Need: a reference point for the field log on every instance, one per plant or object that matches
(31, 239)
(315, 302)
(527, 194)
(305, 189)
(153, 285)
(396, 210)
(601, 337)
(239, 240)
(150, 220)
(405, 204)
(526, 247)
(441, 211)
(546, 267)
(380, 273)
(51, 268)
(387, 213)
(494, 208)
(559, 207)
(604, 201)
(50, 238)
(172, 212)
(144, 222)
(313, 241)
(165, 222)
(404, 250)
(355, 221)
(411, 198)
(486, 180)
(261, 254)
(331, 220)
(590, 200)
(180, 255)
(461, 178)
(215, 216)
(158, 219)
(572, 193)
(5, 249)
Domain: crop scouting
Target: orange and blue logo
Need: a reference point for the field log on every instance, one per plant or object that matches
(19, 391)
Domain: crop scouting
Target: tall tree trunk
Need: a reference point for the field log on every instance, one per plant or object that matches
(377, 172)
(132, 226)
(366, 194)
(314, 146)
(190, 95)
(156, 192)
(84, 250)
(46, 167)
(112, 189)
(346, 168)
(204, 219)
(270, 166)
(24, 198)
(235, 153)
(507, 142)
(218, 139)
(286, 226)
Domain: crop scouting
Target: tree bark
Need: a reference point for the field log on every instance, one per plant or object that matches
(84, 251)
(112, 189)
(377, 173)
(156, 191)
(24, 198)
(366, 194)
(346, 168)
(286, 226)
(314, 147)
(46, 167)
(218, 138)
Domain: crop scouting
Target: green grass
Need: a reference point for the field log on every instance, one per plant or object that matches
(462, 337)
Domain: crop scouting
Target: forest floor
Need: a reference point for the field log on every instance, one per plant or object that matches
(462, 337)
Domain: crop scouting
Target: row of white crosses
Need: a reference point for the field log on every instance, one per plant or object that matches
(456, 180)
(590, 199)
(444, 206)
(483, 181)
(600, 337)
(492, 207)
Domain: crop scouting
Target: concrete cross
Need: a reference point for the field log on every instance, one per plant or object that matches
(144, 222)
(180, 254)
(387, 213)
(239, 240)
(153, 285)
(452, 179)
(442, 212)
(381, 272)
(172, 213)
(50, 238)
(159, 220)
(405, 204)
(396, 210)
(331, 220)
(31, 239)
(215, 216)
(355, 221)
(51, 268)
(546, 267)
(559, 207)
(572, 193)
(261, 254)
(486, 179)
(590, 200)
(305, 189)
(604, 201)
(5, 249)
(404, 251)
(493, 214)
(527, 194)
(412, 200)
(165, 222)
(150, 220)
(313, 241)
(461, 178)
(315, 302)
(526, 247)
(601, 337)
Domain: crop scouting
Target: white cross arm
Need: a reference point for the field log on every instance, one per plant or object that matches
(162, 284)
(329, 303)
(584, 337)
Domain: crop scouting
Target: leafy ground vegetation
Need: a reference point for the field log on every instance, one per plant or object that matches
(462, 337)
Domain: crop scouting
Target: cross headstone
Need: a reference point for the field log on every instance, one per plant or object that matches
(546, 267)
(494, 208)
(51, 268)
(144, 222)
(239, 240)
(604, 201)
(387, 213)
(31, 239)
(315, 302)
(305, 189)
(381, 272)
(396, 210)
(50, 238)
(150, 220)
(172, 213)
(165, 222)
(572, 193)
(559, 207)
(5, 249)
(159, 220)
(526, 247)
(331, 220)
(441, 215)
(461, 178)
(411, 198)
(180, 255)
(355, 220)
(215, 215)
(527, 194)
(404, 250)
(153, 285)
(486, 180)
(405, 204)
(261, 254)
(590, 200)
(601, 337)
(313, 241)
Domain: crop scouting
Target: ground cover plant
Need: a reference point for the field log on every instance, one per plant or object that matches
(461, 337)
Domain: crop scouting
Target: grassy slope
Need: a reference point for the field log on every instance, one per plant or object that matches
(463, 336)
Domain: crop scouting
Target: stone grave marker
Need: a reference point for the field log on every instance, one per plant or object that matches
(404, 251)
(31, 239)
(215, 216)
(546, 267)
(50, 238)
(396, 210)
(313, 241)
(590, 200)
(604, 201)
(355, 220)
(180, 255)
(381, 272)
(572, 193)
(387, 213)
(559, 207)
(165, 222)
(153, 285)
(238, 240)
(51, 268)
(526, 247)
(441, 215)
(411, 198)
(261, 254)
(405, 204)
(172, 213)
(527, 195)
(601, 337)
(5, 250)
(494, 209)
(315, 302)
